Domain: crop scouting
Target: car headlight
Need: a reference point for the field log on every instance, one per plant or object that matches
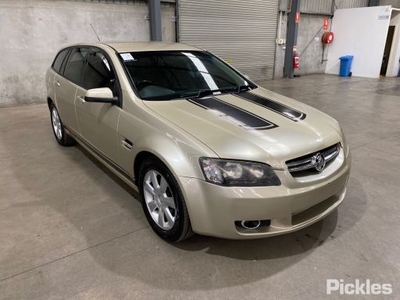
(238, 173)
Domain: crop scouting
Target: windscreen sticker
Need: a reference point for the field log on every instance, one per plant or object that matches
(127, 57)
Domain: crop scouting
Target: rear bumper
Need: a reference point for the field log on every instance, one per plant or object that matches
(214, 209)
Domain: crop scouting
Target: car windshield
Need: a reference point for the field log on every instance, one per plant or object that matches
(165, 75)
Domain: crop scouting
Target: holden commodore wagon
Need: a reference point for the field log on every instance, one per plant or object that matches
(208, 150)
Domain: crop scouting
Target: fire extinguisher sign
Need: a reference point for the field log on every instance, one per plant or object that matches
(326, 24)
(297, 18)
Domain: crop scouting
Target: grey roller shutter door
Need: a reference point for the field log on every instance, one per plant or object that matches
(241, 32)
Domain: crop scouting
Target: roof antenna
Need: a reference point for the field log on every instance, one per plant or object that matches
(95, 32)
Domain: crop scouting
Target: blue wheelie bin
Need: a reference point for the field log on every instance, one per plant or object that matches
(345, 65)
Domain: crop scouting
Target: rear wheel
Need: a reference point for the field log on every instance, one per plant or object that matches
(62, 137)
(163, 202)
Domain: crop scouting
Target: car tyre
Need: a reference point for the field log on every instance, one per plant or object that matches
(163, 202)
(62, 137)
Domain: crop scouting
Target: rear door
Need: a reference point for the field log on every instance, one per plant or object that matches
(98, 121)
(67, 87)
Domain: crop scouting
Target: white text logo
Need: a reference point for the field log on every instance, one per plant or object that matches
(357, 288)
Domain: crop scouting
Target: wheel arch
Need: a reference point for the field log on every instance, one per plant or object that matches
(181, 168)
(49, 102)
(180, 158)
(140, 158)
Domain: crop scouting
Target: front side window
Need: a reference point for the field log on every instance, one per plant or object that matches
(75, 63)
(97, 72)
(164, 75)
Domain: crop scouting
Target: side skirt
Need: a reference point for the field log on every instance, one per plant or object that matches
(114, 168)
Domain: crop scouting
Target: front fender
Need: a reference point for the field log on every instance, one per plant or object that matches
(178, 150)
(179, 157)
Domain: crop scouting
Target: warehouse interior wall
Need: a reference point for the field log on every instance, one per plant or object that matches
(393, 68)
(309, 45)
(313, 56)
(360, 32)
(280, 45)
(31, 33)
(393, 3)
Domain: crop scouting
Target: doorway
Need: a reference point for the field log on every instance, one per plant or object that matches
(386, 53)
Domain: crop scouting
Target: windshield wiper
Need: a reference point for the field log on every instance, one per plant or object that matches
(201, 93)
(243, 88)
(206, 92)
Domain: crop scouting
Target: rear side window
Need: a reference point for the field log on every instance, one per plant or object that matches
(75, 63)
(59, 60)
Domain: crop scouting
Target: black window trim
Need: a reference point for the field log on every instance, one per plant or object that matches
(63, 62)
(62, 69)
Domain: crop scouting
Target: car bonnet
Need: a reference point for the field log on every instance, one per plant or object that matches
(256, 125)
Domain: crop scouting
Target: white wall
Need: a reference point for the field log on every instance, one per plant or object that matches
(360, 32)
(393, 64)
(31, 33)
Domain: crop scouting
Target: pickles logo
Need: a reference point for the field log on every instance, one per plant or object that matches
(335, 286)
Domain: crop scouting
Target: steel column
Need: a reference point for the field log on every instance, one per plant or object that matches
(373, 3)
(155, 20)
(291, 39)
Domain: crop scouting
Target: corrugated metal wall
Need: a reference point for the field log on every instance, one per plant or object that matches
(323, 6)
(121, 1)
(350, 3)
(241, 33)
(394, 3)
(316, 6)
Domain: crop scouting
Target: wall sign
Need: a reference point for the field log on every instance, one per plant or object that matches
(297, 18)
(326, 24)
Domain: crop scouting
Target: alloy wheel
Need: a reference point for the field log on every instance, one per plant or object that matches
(159, 200)
(56, 122)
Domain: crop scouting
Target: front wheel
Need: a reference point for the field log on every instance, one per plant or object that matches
(163, 202)
(62, 137)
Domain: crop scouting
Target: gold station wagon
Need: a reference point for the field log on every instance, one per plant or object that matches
(208, 150)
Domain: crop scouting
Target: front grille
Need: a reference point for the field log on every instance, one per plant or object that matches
(307, 162)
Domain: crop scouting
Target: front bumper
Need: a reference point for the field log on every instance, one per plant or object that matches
(215, 210)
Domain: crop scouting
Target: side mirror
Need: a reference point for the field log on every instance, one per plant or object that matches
(101, 95)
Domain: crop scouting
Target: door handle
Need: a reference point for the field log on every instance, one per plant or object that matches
(58, 83)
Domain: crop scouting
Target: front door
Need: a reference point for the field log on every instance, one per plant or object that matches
(98, 121)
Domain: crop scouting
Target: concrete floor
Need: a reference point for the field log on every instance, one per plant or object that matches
(71, 230)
